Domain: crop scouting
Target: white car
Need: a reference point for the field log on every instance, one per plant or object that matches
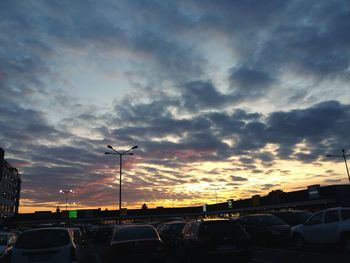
(44, 245)
(326, 227)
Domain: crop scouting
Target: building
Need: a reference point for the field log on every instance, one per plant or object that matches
(311, 198)
(10, 188)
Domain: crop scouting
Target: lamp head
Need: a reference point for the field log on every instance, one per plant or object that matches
(109, 146)
(134, 147)
(107, 153)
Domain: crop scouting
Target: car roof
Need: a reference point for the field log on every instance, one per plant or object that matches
(174, 222)
(257, 215)
(291, 211)
(47, 228)
(135, 226)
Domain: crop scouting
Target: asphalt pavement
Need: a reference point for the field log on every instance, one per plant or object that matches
(99, 253)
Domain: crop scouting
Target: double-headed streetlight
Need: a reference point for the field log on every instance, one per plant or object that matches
(115, 152)
(66, 192)
(343, 155)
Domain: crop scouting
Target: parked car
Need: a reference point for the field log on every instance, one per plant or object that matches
(215, 239)
(7, 240)
(326, 227)
(132, 243)
(293, 217)
(101, 234)
(54, 245)
(266, 229)
(171, 232)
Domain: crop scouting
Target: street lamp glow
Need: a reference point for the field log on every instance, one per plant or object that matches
(115, 152)
(67, 192)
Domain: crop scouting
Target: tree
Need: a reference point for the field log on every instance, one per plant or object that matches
(144, 206)
(275, 196)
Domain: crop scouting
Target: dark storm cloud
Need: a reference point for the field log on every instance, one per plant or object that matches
(268, 39)
(198, 95)
(238, 178)
(25, 126)
(308, 38)
(321, 128)
(250, 82)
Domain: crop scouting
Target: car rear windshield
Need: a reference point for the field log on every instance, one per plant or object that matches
(3, 240)
(218, 229)
(45, 238)
(268, 220)
(132, 233)
(294, 217)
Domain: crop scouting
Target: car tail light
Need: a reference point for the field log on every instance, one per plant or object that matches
(73, 254)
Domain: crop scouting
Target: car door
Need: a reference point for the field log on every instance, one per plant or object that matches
(313, 227)
(330, 226)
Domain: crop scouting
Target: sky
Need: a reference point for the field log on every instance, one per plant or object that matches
(226, 97)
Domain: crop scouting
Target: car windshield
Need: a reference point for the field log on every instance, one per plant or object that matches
(45, 238)
(3, 240)
(132, 233)
(176, 227)
(268, 220)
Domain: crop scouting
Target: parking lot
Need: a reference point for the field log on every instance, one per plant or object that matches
(100, 254)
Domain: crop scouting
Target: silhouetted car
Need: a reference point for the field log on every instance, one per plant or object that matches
(215, 239)
(7, 240)
(51, 245)
(326, 227)
(171, 232)
(293, 217)
(101, 234)
(265, 229)
(137, 243)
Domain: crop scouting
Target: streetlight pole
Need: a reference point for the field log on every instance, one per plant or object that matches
(216, 196)
(66, 192)
(343, 155)
(115, 152)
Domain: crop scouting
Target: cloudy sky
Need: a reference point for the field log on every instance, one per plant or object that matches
(240, 96)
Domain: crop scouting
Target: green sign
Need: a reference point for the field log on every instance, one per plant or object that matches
(205, 208)
(230, 203)
(73, 214)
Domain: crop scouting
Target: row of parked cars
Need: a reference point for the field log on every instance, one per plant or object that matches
(187, 241)
(208, 239)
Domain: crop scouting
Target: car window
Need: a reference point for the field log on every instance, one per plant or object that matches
(345, 214)
(132, 233)
(331, 216)
(315, 219)
(46, 238)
